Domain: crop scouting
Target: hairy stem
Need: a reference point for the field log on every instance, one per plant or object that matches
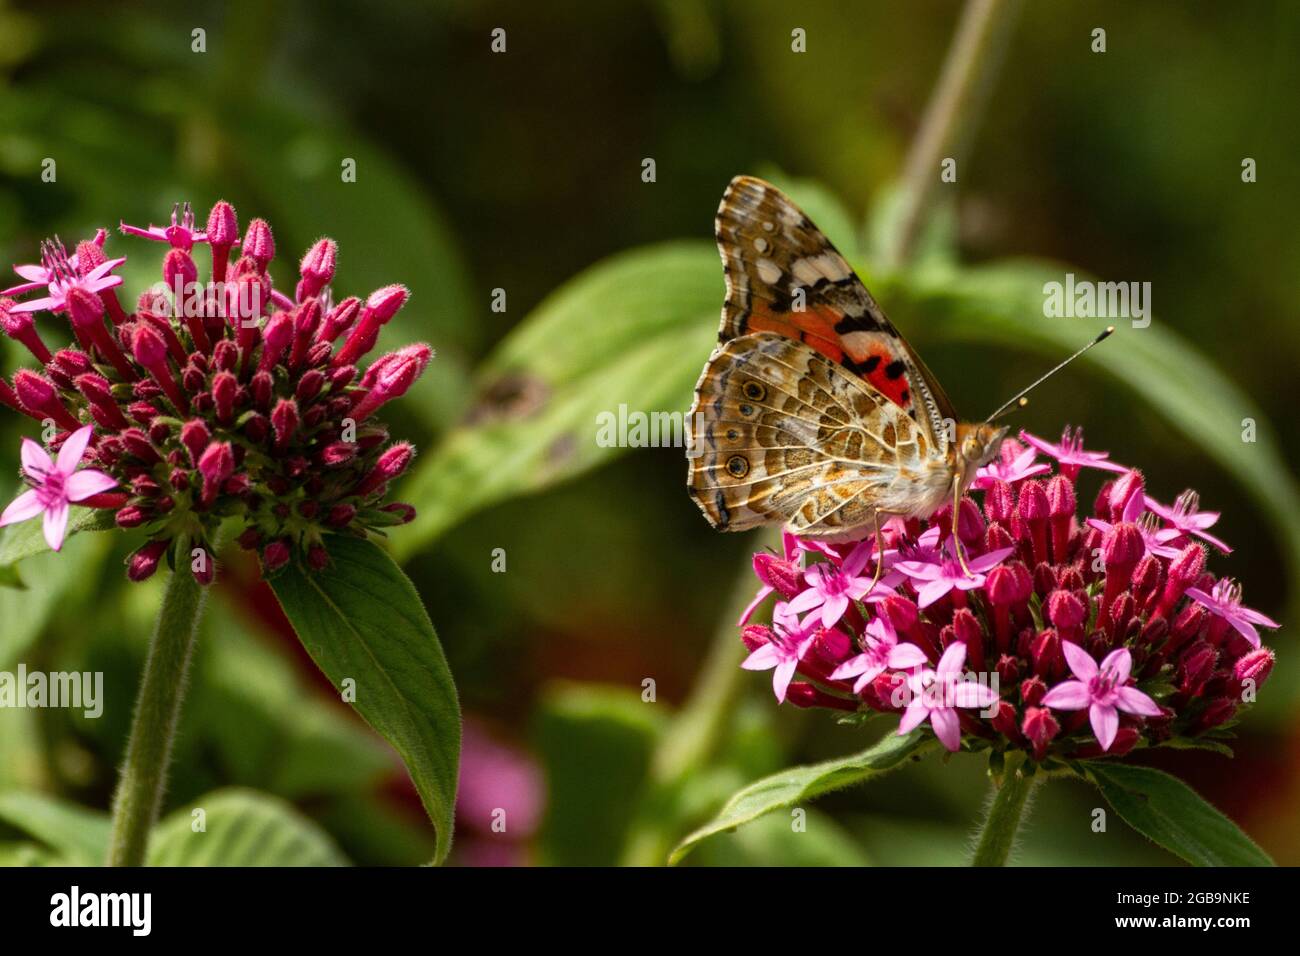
(952, 115)
(998, 834)
(143, 778)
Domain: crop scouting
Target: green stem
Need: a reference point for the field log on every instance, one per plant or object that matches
(143, 779)
(952, 115)
(998, 834)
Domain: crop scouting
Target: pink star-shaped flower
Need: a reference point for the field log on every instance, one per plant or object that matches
(37, 275)
(1101, 690)
(59, 272)
(940, 574)
(881, 651)
(181, 234)
(55, 484)
(1154, 540)
(936, 693)
(1187, 518)
(832, 588)
(781, 655)
(1024, 465)
(1070, 453)
(1225, 601)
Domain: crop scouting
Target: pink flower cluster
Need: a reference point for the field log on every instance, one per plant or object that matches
(1068, 638)
(207, 400)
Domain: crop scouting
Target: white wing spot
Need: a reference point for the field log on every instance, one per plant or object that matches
(760, 244)
(768, 271)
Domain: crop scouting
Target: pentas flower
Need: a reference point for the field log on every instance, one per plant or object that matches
(1070, 454)
(55, 484)
(1186, 517)
(1079, 632)
(205, 401)
(784, 646)
(1014, 463)
(61, 274)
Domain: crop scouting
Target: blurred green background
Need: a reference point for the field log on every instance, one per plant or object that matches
(517, 171)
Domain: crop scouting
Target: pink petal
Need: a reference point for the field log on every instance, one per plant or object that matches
(986, 562)
(857, 559)
(970, 693)
(804, 601)
(1119, 662)
(914, 715)
(1133, 701)
(1245, 629)
(25, 506)
(33, 273)
(1105, 723)
(781, 678)
(931, 592)
(82, 484)
(950, 665)
(1081, 663)
(1068, 695)
(853, 667)
(763, 658)
(834, 609)
(74, 447)
(903, 656)
(36, 460)
(759, 598)
(946, 727)
(56, 524)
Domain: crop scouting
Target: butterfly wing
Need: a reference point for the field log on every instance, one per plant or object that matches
(781, 433)
(785, 277)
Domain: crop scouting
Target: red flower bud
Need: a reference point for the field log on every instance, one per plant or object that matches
(1040, 727)
(144, 562)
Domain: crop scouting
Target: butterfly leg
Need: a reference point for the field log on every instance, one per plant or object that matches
(880, 552)
(956, 538)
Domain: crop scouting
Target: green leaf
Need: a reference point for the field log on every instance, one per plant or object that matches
(1173, 815)
(1004, 302)
(241, 828)
(1198, 743)
(598, 342)
(25, 540)
(795, 784)
(361, 620)
(772, 840)
(79, 836)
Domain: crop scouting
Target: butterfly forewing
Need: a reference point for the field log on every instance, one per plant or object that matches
(806, 413)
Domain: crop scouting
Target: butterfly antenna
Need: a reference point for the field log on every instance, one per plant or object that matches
(1019, 400)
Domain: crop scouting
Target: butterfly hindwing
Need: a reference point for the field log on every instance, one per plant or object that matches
(784, 434)
(785, 277)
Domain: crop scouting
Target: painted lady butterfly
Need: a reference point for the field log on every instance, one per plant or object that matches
(813, 411)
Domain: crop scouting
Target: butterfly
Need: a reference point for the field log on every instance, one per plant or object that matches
(813, 411)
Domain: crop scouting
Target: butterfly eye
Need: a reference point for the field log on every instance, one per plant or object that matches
(970, 449)
(755, 391)
(738, 466)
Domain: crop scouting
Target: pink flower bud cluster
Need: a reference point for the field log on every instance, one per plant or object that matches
(219, 399)
(1081, 637)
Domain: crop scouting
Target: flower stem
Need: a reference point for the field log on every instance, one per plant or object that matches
(144, 772)
(998, 834)
(951, 116)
